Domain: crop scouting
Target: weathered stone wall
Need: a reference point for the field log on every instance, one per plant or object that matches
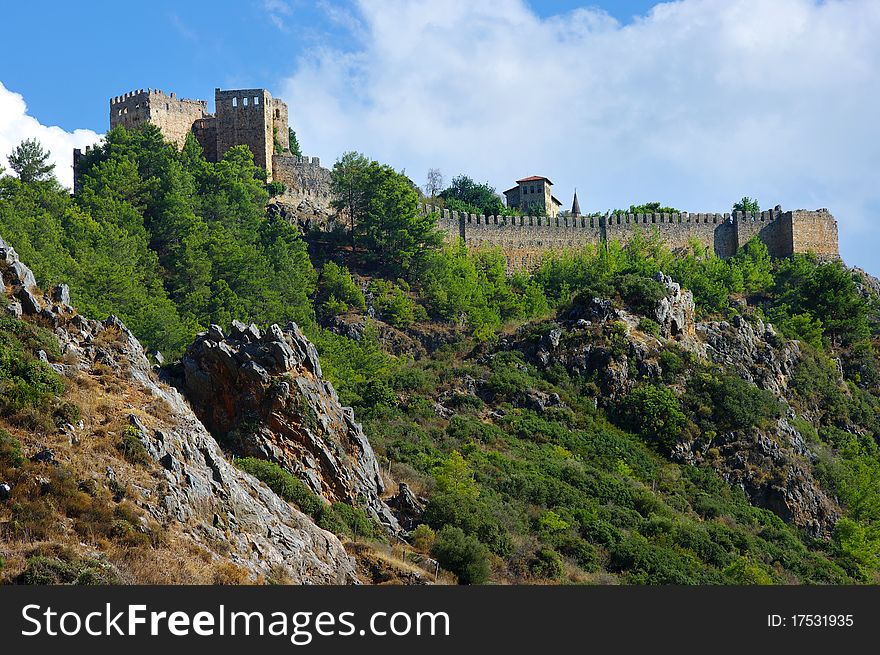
(303, 177)
(814, 231)
(280, 124)
(714, 232)
(174, 116)
(525, 239)
(205, 131)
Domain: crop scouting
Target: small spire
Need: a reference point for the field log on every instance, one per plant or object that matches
(575, 206)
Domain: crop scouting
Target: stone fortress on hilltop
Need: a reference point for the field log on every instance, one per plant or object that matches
(252, 117)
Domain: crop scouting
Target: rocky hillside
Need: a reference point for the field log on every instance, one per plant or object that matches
(135, 488)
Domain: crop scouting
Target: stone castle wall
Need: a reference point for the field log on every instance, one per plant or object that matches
(525, 239)
(250, 117)
(174, 116)
(303, 177)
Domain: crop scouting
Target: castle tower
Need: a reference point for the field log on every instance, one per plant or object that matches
(251, 117)
(575, 205)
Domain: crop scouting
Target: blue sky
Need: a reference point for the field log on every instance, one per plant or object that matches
(693, 103)
(94, 50)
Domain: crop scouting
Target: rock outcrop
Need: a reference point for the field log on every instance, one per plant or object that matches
(752, 349)
(675, 313)
(193, 489)
(773, 465)
(262, 394)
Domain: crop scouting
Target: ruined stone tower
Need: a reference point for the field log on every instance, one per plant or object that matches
(251, 117)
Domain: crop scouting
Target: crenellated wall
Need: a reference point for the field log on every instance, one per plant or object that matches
(303, 178)
(525, 239)
(174, 116)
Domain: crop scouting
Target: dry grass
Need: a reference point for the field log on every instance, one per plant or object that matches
(69, 507)
(383, 564)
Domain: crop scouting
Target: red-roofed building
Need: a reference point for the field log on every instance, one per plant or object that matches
(532, 195)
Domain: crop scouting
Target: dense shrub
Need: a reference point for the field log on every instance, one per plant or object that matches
(462, 554)
(42, 570)
(10, 450)
(337, 290)
(654, 413)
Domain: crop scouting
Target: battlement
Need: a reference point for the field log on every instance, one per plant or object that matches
(524, 239)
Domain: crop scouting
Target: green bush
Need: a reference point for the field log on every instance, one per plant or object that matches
(655, 414)
(640, 293)
(462, 554)
(394, 303)
(649, 326)
(275, 188)
(423, 537)
(547, 563)
(43, 570)
(131, 447)
(10, 450)
(731, 403)
(337, 290)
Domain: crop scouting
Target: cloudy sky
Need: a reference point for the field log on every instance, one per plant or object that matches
(692, 103)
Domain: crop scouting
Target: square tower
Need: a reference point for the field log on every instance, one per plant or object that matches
(251, 117)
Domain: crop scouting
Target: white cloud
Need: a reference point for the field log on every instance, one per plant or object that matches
(16, 126)
(695, 104)
(277, 10)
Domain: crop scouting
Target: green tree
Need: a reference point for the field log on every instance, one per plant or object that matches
(396, 234)
(294, 143)
(654, 412)
(463, 194)
(31, 162)
(746, 204)
(337, 290)
(350, 183)
(462, 554)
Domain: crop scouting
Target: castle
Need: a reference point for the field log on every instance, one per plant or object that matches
(252, 117)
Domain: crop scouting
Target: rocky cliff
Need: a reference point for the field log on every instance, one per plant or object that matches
(186, 485)
(262, 394)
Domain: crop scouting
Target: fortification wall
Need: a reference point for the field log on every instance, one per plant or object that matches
(715, 232)
(772, 227)
(303, 178)
(525, 239)
(205, 132)
(172, 115)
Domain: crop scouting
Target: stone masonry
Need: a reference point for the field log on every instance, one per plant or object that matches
(525, 239)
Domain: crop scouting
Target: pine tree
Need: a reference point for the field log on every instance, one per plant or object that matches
(31, 162)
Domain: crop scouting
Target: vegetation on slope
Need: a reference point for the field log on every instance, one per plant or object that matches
(584, 490)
